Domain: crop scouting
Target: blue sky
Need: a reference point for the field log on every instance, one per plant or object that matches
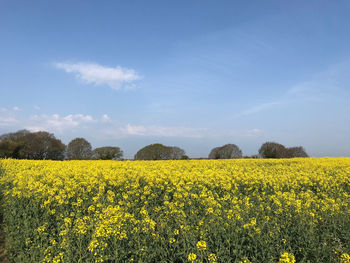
(195, 74)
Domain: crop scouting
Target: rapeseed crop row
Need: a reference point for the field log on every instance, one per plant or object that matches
(292, 210)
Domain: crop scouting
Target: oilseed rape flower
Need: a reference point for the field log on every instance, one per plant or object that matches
(201, 245)
(212, 258)
(345, 258)
(176, 211)
(287, 258)
(245, 260)
(192, 257)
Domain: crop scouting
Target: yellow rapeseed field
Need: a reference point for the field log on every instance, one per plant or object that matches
(287, 210)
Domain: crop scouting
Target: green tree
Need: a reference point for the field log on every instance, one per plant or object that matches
(79, 149)
(298, 151)
(177, 153)
(159, 151)
(41, 146)
(36, 146)
(227, 151)
(277, 150)
(272, 150)
(9, 148)
(14, 136)
(107, 153)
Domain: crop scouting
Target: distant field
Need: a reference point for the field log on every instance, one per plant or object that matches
(287, 210)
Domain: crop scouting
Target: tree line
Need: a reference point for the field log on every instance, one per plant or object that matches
(42, 145)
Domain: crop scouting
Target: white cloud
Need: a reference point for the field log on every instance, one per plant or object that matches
(92, 73)
(15, 108)
(35, 107)
(105, 118)
(56, 123)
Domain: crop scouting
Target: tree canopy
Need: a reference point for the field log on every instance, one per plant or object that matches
(159, 151)
(298, 151)
(107, 153)
(42, 145)
(79, 149)
(272, 150)
(227, 151)
(277, 150)
(9, 148)
(36, 146)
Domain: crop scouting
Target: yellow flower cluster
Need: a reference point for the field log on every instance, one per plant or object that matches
(176, 211)
(192, 257)
(287, 258)
(201, 245)
(345, 258)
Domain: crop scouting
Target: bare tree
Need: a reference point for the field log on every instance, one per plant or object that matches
(228, 151)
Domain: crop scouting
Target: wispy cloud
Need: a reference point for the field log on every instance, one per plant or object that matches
(177, 131)
(253, 132)
(161, 131)
(93, 73)
(155, 131)
(8, 117)
(7, 121)
(257, 108)
(234, 133)
(331, 82)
